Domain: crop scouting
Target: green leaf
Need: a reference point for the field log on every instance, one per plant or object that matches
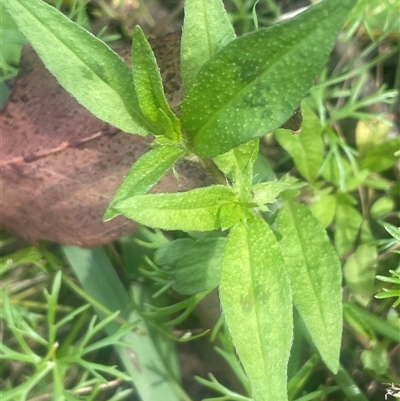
(12, 41)
(359, 273)
(347, 384)
(337, 170)
(141, 358)
(202, 209)
(237, 165)
(315, 278)
(149, 87)
(267, 192)
(194, 265)
(369, 134)
(145, 173)
(263, 170)
(256, 300)
(350, 228)
(206, 29)
(323, 206)
(306, 148)
(84, 65)
(253, 84)
(382, 206)
(382, 156)
(389, 329)
(168, 129)
(392, 230)
(376, 360)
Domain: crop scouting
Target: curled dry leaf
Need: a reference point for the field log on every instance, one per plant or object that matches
(61, 165)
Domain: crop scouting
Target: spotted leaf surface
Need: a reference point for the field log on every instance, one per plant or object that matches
(84, 65)
(306, 149)
(202, 209)
(149, 88)
(315, 277)
(253, 84)
(237, 165)
(145, 173)
(206, 29)
(256, 300)
(194, 265)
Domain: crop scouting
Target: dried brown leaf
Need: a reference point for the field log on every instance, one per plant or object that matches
(60, 165)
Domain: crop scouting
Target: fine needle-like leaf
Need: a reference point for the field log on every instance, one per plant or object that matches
(141, 358)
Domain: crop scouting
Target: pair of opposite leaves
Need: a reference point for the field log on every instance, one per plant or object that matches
(61, 165)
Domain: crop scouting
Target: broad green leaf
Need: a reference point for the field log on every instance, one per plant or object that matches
(257, 304)
(253, 84)
(379, 182)
(169, 129)
(206, 29)
(359, 273)
(202, 209)
(350, 228)
(148, 83)
(237, 165)
(267, 192)
(376, 360)
(382, 156)
(263, 170)
(315, 278)
(370, 134)
(323, 206)
(84, 65)
(306, 148)
(194, 265)
(382, 206)
(145, 173)
(12, 41)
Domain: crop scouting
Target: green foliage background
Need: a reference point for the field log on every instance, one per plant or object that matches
(349, 183)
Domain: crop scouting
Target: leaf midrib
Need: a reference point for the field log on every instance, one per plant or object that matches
(215, 115)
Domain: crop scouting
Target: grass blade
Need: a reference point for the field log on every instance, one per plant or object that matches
(99, 280)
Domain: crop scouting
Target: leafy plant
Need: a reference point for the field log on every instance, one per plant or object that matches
(395, 279)
(59, 359)
(277, 253)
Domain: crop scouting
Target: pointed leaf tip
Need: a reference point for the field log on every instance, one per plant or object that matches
(253, 84)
